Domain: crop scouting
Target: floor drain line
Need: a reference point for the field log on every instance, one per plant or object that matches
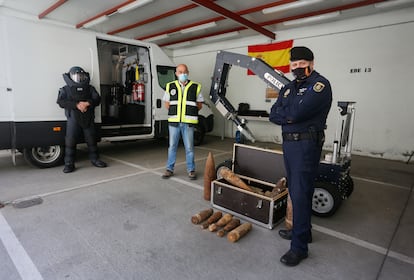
(27, 202)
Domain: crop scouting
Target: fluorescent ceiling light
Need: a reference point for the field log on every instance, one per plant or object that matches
(199, 27)
(96, 21)
(288, 6)
(392, 3)
(179, 45)
(222, 36)
(133, 5)
(156, 38)
(311, 19)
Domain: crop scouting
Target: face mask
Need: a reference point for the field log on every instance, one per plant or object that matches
(301, 73)
(183, 77)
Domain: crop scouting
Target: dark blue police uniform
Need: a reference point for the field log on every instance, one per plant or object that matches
(301, 109)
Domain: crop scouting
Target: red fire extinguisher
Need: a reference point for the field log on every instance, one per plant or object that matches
(138, 90)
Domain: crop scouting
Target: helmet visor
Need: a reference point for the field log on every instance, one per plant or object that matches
(78, 77)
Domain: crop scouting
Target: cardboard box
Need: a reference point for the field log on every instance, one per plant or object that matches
(260, 168)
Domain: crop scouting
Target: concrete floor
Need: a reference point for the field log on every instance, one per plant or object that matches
(125, 222)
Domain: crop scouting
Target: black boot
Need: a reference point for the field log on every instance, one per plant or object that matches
(93, 153)
(292, 258)
(99, 163)
(69, 168)
(70, 153)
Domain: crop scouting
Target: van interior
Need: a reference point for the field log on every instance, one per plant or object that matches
(125, 88)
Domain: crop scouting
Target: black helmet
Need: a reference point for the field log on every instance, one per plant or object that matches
(78, 75)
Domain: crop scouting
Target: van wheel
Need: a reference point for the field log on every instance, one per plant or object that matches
(44, 157)
(199, 133)
(326, 199)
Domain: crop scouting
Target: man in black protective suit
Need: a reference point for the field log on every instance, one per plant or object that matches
(79, 100)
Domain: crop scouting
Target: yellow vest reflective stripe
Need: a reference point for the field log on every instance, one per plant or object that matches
(183, 105)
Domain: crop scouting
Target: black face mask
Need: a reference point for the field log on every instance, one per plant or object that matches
(301, 73)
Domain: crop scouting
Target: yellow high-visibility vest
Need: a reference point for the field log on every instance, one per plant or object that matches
(183, 105)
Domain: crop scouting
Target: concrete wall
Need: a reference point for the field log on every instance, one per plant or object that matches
(381, 46)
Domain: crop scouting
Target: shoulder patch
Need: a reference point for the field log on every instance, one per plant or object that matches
(318, 87)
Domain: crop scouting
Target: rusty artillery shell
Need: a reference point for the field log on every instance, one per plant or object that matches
(212, 219)
(232, 178)
(220, 223)
(277, 189)
(224, 220)
(209, 175)
(289, 214)
(198, 218)
(230, 226)
(213, 227)
(281, 183)
(239, 232)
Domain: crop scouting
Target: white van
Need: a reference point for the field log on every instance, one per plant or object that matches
(130, 75)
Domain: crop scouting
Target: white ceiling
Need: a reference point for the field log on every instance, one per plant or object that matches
(168, 17)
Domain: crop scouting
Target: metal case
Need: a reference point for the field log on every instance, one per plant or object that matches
(260, 168)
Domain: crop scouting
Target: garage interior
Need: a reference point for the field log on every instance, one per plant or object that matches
(126, 222)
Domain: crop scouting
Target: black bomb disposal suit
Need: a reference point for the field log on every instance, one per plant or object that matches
(77, 121)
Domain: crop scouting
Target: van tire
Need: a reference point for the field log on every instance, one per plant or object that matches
(44, 157)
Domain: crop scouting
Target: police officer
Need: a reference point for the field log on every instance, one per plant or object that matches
(79, 100)
(301, 110)
(183, 99)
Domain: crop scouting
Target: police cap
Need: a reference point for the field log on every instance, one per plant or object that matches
(299, 53)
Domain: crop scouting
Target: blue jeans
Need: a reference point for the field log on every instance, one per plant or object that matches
(187, 133)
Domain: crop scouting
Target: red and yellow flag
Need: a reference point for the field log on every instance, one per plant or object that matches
(276, 55)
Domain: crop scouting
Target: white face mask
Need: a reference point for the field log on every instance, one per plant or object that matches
(183, 77)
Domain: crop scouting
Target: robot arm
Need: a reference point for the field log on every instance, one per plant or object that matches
(224, 62)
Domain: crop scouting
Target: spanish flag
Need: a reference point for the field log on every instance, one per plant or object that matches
(276, 55)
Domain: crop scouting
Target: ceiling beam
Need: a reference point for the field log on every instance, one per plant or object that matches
(324, 11)
(229, 14)
(280, 20)
(242, 12)
(152, 19)
(204, 36)
(155, 18)
(51, 8)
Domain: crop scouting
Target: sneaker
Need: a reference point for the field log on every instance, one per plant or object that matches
(192, 175)
(167, 174)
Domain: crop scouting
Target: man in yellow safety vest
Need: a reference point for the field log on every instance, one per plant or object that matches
(183, 99)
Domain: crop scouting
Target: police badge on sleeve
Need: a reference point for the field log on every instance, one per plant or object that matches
(318, 87)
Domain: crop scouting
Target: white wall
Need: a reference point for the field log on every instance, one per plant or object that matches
(384, 100)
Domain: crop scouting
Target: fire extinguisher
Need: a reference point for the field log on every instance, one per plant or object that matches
(138, 89)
